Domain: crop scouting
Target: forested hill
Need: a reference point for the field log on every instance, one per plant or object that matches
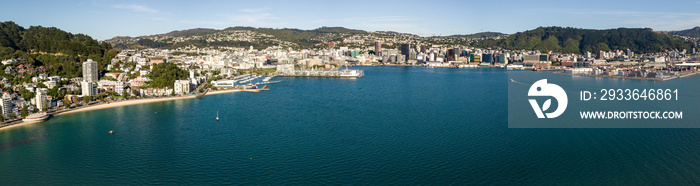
(693, 32)
(60, 52)
(574, 40)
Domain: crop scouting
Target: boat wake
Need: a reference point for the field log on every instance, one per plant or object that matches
(513, 81)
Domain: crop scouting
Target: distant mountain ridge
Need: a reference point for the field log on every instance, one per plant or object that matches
(476, 35)
(693, 32)
(297, 37)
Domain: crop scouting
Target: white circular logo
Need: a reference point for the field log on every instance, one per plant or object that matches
(542, 88)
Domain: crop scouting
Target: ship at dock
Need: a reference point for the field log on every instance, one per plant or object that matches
(351, 73)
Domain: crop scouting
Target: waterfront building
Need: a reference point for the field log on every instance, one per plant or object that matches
(405, 50)
(87, 88)
(487, 58)
(182, 86)
(451, 55)
(90, 72)
(411, 55)
(501, 58)
(285, 68)
(531, 58)
(6, 105)
(119, 87)
(377, 48)
(222, 83)
(40, 99)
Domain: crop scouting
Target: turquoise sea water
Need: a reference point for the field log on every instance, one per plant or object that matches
(395, 126)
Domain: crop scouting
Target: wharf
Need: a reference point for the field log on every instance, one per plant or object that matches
(620, 77)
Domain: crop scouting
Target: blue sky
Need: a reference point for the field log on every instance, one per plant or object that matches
(104, 19)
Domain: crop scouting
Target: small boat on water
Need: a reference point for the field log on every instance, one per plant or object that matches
(36, 117)
(217, 115)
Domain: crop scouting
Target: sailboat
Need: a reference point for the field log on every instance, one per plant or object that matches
(217, 115)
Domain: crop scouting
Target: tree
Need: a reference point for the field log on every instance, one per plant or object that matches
(13, 116)
(66, 102)
(135, 92)
(24, 112)
(2, 118)
(124, 94)
(165, 74)
(87, 99)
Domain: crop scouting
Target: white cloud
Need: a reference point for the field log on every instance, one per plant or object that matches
(243, 17)
(254, 10)
(136, 8)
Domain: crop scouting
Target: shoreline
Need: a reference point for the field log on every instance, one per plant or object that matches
(634, 78)
(18, 122)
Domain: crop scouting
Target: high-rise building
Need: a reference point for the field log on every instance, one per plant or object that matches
(377, 48)
(6, 105)
(405, 49)
(487, 58)
(87, 88)
(40, 99)
(422, 48)
(450, 55)
(90, 71)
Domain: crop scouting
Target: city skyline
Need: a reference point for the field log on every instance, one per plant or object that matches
(106, 19)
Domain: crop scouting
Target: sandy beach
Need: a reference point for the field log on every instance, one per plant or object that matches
(149, 100)
(123, 103)
(20, 123)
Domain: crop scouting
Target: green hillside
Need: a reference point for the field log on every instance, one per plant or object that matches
(574, 40)
(59, 52)
(693, 32)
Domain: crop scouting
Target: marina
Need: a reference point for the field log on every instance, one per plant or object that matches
(288, 70)
(246, 81)
(324, 73)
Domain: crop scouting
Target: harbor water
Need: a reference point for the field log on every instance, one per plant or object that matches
(394, 126)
